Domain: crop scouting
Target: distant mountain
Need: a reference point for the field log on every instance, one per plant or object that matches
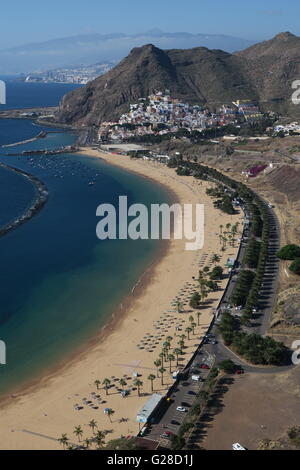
(263, 72)
(92, 48)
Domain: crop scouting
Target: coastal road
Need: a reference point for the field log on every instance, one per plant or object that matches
(187, 389)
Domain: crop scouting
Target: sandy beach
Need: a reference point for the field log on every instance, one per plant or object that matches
(36, 418)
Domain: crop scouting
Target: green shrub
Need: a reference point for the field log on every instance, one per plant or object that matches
(295, 266)
(289, 252)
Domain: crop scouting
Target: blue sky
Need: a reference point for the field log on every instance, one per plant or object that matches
(24, 21)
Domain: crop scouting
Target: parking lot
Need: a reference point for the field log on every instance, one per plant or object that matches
(183, 396)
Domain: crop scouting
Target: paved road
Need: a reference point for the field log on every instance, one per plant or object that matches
(186, 391)
(271, 278)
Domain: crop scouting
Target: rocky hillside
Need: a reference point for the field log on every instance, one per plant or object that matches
(273, 66)
(199, 75)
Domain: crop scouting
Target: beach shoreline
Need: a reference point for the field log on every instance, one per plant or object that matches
(55, 395)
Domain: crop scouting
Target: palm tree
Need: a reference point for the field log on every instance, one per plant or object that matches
(179, 306)
(157, 365)
(171, 359)
(221, 229)
(177, 351)
(106, 383)
(87, 443)
(193, 326)
(97, 383)
(201, 275)
(123, 383)
(181, 343)
(191, 319)
(169, 339)
(109, 413)
(188, 330)
(138, 383)
(216, 259)
(198, 317)
(63, 440)
(202, 286)
(100, 439)
(78, 432)
(203, 395)
(93, 425)
(204, 295)
(151, 377)
(162, 371)
(162, 356)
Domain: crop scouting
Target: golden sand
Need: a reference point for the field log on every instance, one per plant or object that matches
(36, 418)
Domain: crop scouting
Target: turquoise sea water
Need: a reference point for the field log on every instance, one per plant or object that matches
(58, 283)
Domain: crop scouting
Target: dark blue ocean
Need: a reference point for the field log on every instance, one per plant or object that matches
(29, 95)
(58, 283)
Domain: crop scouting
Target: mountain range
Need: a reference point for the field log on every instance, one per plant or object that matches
(87, 49)
(263, 72)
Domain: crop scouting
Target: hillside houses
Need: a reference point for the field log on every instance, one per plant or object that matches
(293, 127)
(161, 114)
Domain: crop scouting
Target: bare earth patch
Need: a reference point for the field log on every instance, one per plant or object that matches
(255, 407)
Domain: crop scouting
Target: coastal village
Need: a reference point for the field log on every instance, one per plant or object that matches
(161, 114)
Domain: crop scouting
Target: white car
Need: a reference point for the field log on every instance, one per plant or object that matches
(181, 409)
(237, 446)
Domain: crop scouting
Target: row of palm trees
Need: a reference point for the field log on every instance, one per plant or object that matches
(170, 357)
(107, 383)
(229, 235)
(98, 437)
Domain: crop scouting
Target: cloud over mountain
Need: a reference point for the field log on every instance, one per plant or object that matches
(87, 49)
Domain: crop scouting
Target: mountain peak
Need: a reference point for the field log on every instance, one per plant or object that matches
(285, 36)
(146, 48)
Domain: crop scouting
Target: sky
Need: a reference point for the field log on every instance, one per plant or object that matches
(27, 21)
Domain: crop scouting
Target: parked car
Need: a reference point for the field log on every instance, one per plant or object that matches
(185, 404)
(237, 446)
(197, 378)
(204, 366)
(174, 422)
(166, 435)
(181, 409)
(239, 371)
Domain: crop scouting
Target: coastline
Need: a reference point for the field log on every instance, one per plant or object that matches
(53, 411)
(36, 206)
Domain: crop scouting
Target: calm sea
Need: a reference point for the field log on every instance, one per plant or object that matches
(30, 95)
(58, 283)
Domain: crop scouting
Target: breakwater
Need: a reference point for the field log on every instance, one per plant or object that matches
(36, 206)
